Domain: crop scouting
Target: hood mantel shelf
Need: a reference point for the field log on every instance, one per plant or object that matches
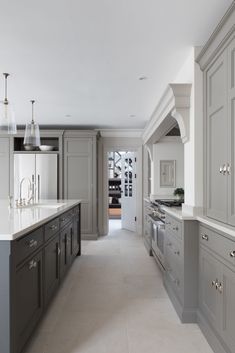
(174, 106)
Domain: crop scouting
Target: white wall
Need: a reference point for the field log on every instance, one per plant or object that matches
(193, 149)
(168, 148)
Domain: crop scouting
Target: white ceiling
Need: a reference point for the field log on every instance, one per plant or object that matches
(83, 57)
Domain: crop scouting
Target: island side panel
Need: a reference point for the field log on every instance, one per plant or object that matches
(5, 296)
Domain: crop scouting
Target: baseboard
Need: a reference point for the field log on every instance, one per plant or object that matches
(210, 335)
(186, 316)
(93, 236)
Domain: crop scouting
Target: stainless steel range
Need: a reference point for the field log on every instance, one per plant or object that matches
(158, 230)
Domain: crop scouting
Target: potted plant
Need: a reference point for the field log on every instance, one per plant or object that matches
(179, 193)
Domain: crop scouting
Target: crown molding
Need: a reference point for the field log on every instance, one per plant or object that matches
(218, 39)
(137, 133)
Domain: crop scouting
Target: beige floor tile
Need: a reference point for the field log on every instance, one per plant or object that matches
(113, 301)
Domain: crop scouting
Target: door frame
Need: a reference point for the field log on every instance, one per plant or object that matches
(103, 223)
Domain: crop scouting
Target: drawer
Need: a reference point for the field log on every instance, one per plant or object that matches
(65, 218)
(75, 211)
(51, 228)
(175, 280)
(27, 245)
(174, 249)
(173, 226)
(216, 242)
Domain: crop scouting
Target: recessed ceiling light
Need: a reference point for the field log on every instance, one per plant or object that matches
(143, 78)
(132, 116)
(68, 116)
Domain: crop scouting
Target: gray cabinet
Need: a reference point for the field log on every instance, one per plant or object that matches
(217, 137)
(31, 269)
(5, 167)
(28, 299)
(80, 176)
(181, 266)
(217, 289)
(219, 98)
(209, 275)
(231, 134)
(51, 268)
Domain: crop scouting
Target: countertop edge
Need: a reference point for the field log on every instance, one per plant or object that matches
(57, 212)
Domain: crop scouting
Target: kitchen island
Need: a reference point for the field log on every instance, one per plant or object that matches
(38, 244)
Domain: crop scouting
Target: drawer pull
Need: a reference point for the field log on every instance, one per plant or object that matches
(32, 264)
(64, 219)
(176, 228)
(213, 283)
(58, 250)
(220, 288)
(232, 254)
(53, 227)
(205, 237)
(33, 243)
(177, 252)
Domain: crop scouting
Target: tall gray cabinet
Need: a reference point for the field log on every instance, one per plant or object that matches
(4, 167)
(220, 135)
(80, 177)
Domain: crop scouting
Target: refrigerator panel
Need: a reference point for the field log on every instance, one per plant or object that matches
(47, 176)
(24, 167)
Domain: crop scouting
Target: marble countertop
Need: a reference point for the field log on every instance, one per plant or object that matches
(178, 213)
(15, 222)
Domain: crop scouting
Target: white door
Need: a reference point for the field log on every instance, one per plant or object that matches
(128, 198)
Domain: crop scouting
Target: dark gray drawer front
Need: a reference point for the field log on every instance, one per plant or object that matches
(28, 244)
(65, 218)
(51, 228)
(219, 244)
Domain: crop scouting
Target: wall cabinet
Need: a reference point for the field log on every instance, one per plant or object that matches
(217, 289)
(80, 176)
(220, 136)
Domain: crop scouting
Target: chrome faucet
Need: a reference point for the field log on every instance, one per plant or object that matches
(23, 201)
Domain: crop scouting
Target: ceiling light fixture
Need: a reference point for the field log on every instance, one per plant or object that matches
(132, 116)
(143, 78)
(32, 133)
(7, 116)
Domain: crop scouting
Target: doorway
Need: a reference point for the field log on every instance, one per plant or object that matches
(122, 190)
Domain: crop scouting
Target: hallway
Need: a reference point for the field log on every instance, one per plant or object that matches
(113, 301)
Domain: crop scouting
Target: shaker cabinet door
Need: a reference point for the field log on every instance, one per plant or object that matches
(51, 268)
(231, 135)
(28, 300)
(227, 294)
(209, 299)
(217, 139)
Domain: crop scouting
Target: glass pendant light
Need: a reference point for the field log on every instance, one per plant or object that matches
(32, 133)
(7, 116)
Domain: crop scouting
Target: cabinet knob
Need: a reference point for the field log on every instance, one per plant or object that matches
(220, 287)
(205, 237)
(177, 252)
(33, 243)
(58, 250)
(223, 169)
(213, 283)
(176, 228)
(232, 254)
(53, 227)
(32, 264)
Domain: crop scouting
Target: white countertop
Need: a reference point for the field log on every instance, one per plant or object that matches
(14, 222)
(178, 213)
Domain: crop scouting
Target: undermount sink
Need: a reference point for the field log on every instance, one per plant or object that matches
(55, 205)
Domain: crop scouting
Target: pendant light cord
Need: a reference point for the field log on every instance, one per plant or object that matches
(6, 76)
(32, 101)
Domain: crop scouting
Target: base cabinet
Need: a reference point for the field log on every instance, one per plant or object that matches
(28, 299)
(51, 268)
(31, 270)
(217, 289)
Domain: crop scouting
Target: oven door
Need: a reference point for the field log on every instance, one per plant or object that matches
(158, 242)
